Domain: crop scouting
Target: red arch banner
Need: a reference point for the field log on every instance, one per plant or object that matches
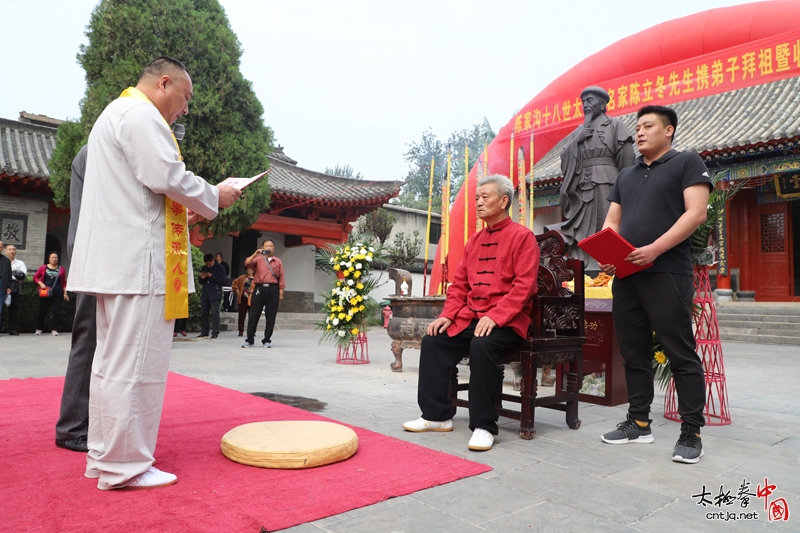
(708, 53)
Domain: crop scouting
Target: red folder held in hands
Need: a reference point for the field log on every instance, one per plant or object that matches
(608, 247)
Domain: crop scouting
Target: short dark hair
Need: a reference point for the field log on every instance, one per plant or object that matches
(208, 257)
(667, 115)
(57, 256)
(160, 66)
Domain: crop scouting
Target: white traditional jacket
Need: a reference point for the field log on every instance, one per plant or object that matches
(132, 164)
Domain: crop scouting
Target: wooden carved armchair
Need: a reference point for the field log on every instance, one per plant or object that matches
(556, 337)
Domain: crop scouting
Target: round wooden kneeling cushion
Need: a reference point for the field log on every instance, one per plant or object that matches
(289, 444)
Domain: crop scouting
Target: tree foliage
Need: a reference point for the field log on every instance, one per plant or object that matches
(69, 140)
(379, 223)
(416, 191)
(225, 132)
(404, 251)
(344, 171)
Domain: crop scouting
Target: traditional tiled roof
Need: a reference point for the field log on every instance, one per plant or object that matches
(291, 183)
(25, 149)
(744, 122)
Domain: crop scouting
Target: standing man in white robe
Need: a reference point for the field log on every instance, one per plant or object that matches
(120, 257)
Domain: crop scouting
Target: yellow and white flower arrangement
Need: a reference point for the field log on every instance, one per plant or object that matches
(348, 304)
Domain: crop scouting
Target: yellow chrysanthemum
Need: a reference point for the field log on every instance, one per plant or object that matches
(359, 286)
(336, 267)
(341, 316)
(329, 326)
(354, 331)
(346, 272)
(357, 274)
(661, 358)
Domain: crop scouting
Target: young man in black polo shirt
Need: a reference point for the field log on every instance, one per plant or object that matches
(656, 204)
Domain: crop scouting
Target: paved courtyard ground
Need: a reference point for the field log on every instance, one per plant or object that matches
(563, 480)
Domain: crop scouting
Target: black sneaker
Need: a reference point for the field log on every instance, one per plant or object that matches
(201, 337)
(629, 432)
(689, 448)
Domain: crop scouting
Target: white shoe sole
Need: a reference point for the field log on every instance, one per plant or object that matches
(476, 448)
(679, 459)
(434, 429)
(648, 439)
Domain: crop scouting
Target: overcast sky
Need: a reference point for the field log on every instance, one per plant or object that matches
(354, 81)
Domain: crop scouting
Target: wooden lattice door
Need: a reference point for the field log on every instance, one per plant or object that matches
(774, 254)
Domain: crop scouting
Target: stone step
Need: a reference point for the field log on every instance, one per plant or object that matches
(776, 319)
(283, 321)
(758, 309)
(778, 326)
(760, 339)
(760, 330)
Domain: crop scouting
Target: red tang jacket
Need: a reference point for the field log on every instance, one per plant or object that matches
(496, 278)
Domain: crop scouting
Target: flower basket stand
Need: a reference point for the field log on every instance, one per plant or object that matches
(356, 352)
(716, 412)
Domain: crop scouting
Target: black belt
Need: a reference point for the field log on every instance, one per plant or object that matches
(266, 284)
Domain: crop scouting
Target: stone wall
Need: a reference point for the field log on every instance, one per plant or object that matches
(23, 222)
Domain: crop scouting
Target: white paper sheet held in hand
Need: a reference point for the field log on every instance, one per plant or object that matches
(241, 183)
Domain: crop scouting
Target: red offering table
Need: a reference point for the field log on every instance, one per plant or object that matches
(601, 355)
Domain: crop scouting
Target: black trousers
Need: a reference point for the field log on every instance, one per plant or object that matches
(73, 421)
(660, 302)
(13, 313)
(206, 307)
(52, 304)
(439, 356)
(266, 299)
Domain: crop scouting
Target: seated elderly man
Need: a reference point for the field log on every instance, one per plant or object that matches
(487, 310)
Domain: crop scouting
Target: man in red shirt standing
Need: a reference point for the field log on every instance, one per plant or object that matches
(267, 291)
(487, 310)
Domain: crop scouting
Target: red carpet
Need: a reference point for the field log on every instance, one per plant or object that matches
(42, 487)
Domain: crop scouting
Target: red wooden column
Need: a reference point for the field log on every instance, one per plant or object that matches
(717, 412)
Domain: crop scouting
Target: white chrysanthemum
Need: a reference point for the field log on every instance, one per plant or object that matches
(371, 249)
(350, 282)
(335, 321)
(341, 333)
(359, 266)
(368, 258)
(349, 264)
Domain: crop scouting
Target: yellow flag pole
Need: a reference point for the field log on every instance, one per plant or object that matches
(522, 195)
(511, 173)
(466, 192)
(530, 203)
(428, 231)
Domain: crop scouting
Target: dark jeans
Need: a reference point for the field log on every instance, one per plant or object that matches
(439, 356)
(13, 313)
(243, 308)
(211, 306)
(52, 304)
(266, 298)
(660, 302)
(74, 419)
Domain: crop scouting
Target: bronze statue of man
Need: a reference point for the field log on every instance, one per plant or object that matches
(590, 162)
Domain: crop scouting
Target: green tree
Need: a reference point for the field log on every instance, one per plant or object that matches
(415, 191)
(69, 139)
(403, 253)
(225, 132)
(344, 171)
(378, 223)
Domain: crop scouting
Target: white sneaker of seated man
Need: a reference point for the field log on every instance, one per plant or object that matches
(481, 440)
(153, 478)
(420, 424)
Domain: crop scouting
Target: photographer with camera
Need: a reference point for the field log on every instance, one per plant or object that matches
(267, 291)
(18, 273)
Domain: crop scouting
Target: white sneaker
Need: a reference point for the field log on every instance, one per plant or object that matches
(481, 440)
(38, 332)
(420, 424)
(55, 333)
(153, 478)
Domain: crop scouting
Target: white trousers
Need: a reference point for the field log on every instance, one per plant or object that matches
(126, 394)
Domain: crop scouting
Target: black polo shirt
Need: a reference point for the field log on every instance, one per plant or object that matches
(652, 201)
